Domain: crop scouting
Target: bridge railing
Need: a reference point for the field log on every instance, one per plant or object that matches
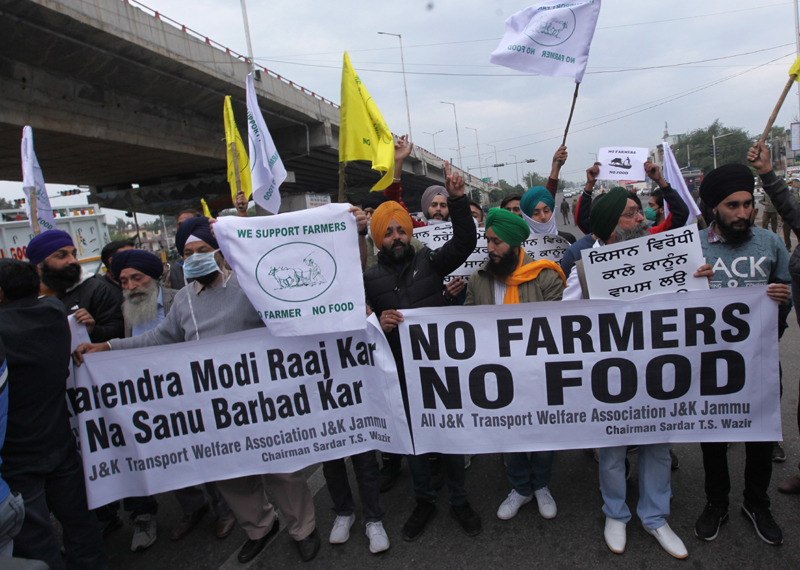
(159, 16)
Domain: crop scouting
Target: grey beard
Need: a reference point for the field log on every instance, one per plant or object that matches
(641, 230)
(140, 305)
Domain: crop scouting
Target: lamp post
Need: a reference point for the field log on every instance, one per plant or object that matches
(458, 141)
(256, 76)
(714, 145)
(433, 135)
(497, 169)
(405, 87)
(477, 144)
(516, 173)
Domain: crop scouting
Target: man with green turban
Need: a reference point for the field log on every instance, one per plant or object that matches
(510, 276)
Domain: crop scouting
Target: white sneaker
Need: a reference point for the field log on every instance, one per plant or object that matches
(509, 508)
(669, 541)
(340, 533)
(144, 532)
(378, 541)
(615, 535)
(547, 506)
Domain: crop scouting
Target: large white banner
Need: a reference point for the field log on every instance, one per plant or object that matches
(166, 417)
(79, 336)
(266, 168)
(689, 367)
(622, 163)
(300, 270)
(551, 38)
(33, 183)
(538, 246)
(662, 263)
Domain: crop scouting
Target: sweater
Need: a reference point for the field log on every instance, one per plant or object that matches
(37, 340)
(222, 310)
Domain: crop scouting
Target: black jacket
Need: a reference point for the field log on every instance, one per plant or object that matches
(36, 336)
(100, 300)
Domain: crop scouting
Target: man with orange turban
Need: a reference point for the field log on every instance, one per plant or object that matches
(407, 279)
(510, 276)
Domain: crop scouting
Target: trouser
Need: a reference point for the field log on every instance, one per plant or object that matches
(768, 218)
(191, 499)
(247, 498)
(134, 505)
(757, 473)
(528, 474)
(367, 473)
(421, 476)
(55, 483)
(12, 514)
(654, 484)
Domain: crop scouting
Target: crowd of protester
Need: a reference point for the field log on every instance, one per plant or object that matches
(136, 303)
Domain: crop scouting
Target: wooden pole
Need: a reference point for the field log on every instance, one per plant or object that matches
(34, 214)
(237, 177)
(778, 106)
(572, 110)
(341, 182)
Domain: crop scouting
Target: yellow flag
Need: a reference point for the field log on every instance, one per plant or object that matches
(231, 136)
(363, 134)
(206, 211)
(795, 69)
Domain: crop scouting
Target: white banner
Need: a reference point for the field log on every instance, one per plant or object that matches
(538, 246)
(79, 336)
(673, 175)
(622, 163)
(167, 417)
(694, 367)
(661, 263)
(266, 168)
(300, 270)
(33, 182)
(551, 38)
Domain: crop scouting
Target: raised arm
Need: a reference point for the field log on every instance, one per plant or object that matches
(775, 187)
(584, 205)
(455, 252)
(678, 209)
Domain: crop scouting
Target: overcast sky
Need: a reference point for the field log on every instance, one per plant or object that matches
(447, 45)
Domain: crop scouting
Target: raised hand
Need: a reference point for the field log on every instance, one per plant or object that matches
(453, 183)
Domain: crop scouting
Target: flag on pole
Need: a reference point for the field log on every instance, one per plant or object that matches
(673, 175)
(206, 211)
(232, 136)
(795, 69)
(266, 168)
(551, 38)
(33, 182)
(363, 134)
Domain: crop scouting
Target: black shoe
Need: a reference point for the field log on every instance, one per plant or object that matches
(251, 548)
(468, 519)
(676, 463)
(778, 454)
(389, 474)
(309, 546)
(437, 472)
(416, 523)
(707, 526)
(765, 525)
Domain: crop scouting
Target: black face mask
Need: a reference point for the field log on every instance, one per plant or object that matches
(731, 234)
(59, 280)
(506, 265)
(399, 255)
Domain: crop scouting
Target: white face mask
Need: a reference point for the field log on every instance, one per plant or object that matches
(541, 228)
(199, 264)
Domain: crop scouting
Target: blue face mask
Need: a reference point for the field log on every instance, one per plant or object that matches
(199, 264)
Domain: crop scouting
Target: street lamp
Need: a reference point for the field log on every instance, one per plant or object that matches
(714, 145)
(458, 141)
(497, 170)
(516, 174)
(405, 87)
(256, 76)
(477, 144)
(433, 135)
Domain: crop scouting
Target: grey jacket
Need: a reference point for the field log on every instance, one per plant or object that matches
(548, 286)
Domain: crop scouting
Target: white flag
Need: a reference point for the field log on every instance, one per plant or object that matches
(266, 169)
(32, 178)
(672, 174)
(551, 38)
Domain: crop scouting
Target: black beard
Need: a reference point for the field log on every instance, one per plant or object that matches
(641, 230)
(59, 280)
(507, 264)
(731, 234)
(399, 255)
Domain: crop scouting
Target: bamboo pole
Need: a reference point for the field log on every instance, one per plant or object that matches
(778, 106)
(572, 110)
(341, 182)
(34, 214)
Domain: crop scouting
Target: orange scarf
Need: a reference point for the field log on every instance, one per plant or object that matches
(524, 273)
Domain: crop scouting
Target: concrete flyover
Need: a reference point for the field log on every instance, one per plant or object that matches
(130, 102)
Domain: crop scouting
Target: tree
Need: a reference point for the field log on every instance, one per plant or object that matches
(730, 150)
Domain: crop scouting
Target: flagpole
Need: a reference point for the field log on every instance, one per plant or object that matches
(236, 173)
(341, 182)
(572, 110)
(34, 214)
(778, 106)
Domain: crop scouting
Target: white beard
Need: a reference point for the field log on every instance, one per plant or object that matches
(141, 304)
